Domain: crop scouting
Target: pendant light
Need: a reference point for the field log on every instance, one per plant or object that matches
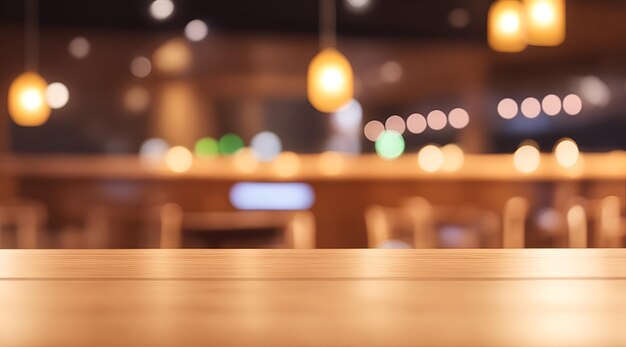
(26, 100)
(545, 22)
(506, 26)
(330, 80)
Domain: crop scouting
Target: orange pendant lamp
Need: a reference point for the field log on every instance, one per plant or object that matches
(545, 21)
(506, 27)
(330, 80)
(27, 103)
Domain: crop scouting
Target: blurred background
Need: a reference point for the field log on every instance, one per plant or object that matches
(195, 124)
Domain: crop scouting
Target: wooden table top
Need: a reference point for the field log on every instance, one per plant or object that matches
(313, 297)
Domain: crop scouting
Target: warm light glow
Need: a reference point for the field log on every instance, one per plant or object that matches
(389, 145)
(545, 22)
(140, 67)
(458, 118)
(358, 5)
(436, 120)
(566, 153)
(416, 123)
(507, 108)
(178, 159)
(531, 108)
(152, 152)
(551, 105)
(173, 56)
(246, 160)
(430, 158)
(57, 95)
(373, 129)
(196, 30)
(506, 30)
(79, 47)
(395, 123)
(27, 101)
(161, 9)
(572, 104)
(391, 72)
(266, 146)
(331, 163)
(453, 157)
(287, 164)
(329, 81)
(136, 99)
(527, 158)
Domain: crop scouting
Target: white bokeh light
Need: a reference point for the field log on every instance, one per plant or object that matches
(458, 118)
(595, 91)
(196, 30)
(266, 146)
(373, 129)
(57, 95)
(161, 9)
(527, 158)
(140, 67)
(348, 119)
(551, 105)
(152, 152)
(531, 108)
(416, 123)
(430, 158)
(358, 5)
(572, 104)
(79, 47)
(395, 123)
(436, 120)
(507, 108)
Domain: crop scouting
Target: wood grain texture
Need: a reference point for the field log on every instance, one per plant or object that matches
(312, 298)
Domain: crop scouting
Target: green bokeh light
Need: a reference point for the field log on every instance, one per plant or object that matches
(389, 145)
(206, 147)
(230, 143)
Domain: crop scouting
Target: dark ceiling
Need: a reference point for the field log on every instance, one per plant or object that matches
(422, 19)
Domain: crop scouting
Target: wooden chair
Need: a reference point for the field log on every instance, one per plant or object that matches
(27, 218)
(298, 227)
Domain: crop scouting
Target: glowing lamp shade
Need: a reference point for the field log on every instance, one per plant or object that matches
(545, 21)
(27, 100)
(506, 30)
(330, 81)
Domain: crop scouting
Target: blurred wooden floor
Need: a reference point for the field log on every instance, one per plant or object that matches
(313, 298)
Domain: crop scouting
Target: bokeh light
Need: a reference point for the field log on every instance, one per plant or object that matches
(506, 30)
(206, 147)
(373, 129)
(79, 47)
(287, 164)
(416, 123)
(152, 152)
(595, 91)
(430, 158)
(27, 100)
(458, 18)
(395, 123)
(136, 99)
(436, 120)
(566, 152)
(531, 108)
(178, 159)
(229, 144)
(330, 81)
(196, 30)
(453, 157)
(140, 67)
(331, 163)
(348, 119)
(545, 22)
(246, 160)
(507, 108)
(391, 72)
(551, 105)
(389, 145)
(173, 56)
(161, 9)
(358, 5)
(57, 95)
(527, 158)
(266, 146)
(458, 118)
(572, 104)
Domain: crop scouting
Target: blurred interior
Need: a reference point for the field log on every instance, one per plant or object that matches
(174, 139)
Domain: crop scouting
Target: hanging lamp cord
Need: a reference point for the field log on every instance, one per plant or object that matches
(31, 35)
(328, 23)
